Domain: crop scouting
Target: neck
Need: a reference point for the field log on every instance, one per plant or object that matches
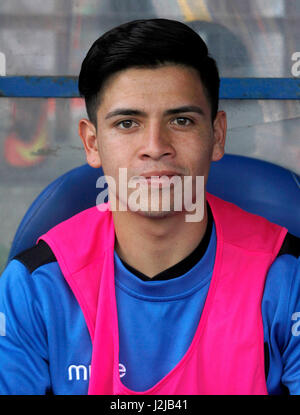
(151, 245)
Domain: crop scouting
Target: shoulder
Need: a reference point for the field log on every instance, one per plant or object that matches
(245, 230)
(36, 256)
(30, 287)
(290, 246)
(30, 266)
(284, 271)
(34, 273)
(282, 288)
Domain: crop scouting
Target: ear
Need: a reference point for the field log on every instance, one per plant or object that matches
(88, 134)
(219, 130)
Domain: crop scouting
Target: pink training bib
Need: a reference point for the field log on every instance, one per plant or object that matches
(226, 355)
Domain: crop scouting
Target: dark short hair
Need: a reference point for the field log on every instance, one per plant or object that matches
(146, 43)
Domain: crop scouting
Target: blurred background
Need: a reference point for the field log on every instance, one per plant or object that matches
(38, 137)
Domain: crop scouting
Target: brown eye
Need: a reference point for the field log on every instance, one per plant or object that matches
(182, 121)
(126, 124)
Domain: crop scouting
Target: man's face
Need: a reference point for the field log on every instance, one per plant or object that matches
(155, 122)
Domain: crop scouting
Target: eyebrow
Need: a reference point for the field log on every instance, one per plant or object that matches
(186, 108)
(124, 111)
(171, 111)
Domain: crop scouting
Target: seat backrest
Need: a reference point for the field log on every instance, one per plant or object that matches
(254, 185)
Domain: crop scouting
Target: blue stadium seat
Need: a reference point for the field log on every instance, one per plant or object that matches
(254, 185)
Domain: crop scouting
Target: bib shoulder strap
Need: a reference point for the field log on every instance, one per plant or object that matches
(36, 256)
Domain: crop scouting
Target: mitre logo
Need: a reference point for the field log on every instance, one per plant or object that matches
(83, 372)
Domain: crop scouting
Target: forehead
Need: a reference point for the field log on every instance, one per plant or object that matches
(153, 87)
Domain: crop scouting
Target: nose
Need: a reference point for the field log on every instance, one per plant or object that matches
(156, 143)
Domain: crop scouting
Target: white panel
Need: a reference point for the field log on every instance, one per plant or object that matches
(267, 130)
(2, 64)
(269, 8)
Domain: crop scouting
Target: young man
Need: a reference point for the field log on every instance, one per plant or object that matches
(144, 301)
